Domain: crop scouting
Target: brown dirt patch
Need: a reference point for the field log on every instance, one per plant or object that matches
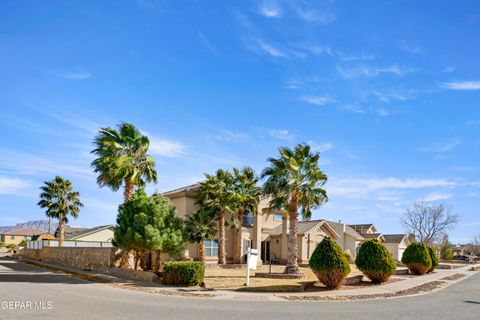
(418, 289)
(454, 277)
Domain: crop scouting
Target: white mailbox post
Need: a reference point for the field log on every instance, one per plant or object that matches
(252, 259)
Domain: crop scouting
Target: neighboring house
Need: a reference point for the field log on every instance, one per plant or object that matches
(101, 233)
(368, 228)
(68, 231)
(17, 236)
(396, 244)
(267, 231)
(43, 236)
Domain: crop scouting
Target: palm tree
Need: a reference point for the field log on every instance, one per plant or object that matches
(294, 181)
(122, 159)
(247, 193)
(217, 194)
(200, 226)
(60, 201)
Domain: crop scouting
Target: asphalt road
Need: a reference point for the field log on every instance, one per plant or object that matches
(28, 292)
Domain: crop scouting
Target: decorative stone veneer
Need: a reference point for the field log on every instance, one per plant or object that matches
(92, 259)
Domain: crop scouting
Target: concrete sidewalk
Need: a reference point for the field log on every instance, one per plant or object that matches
(404, 284)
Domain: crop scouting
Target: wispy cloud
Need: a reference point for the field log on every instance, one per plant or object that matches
(315, 15)
(372, 187)
(25, 163)
(280, 134)
(366, 110)
(365, 71)
(270, 9)
(320, 147)
(12, 185)
(361, 57)
(462, 85)
(318, 100)
(293, 84)
(228, 135)
(388, 96)
(166, 148)
(449, 146)
(436, 196)
(271, 50)
(208, 44)
(405, 46)
(449, 69)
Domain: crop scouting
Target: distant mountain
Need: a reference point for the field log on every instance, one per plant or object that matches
(37, 225)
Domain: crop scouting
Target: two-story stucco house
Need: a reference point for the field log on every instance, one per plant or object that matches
(267, 231)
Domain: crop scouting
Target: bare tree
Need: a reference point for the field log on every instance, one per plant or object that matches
(429, 221)
(475, 247)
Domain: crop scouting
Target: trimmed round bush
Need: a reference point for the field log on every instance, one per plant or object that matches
(417, 258)
(375, 261)
(329, 264)
(434, 258)
(183, 273)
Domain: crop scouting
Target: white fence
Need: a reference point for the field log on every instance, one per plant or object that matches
(36, 245)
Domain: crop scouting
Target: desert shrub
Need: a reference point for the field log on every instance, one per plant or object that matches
(329, 264)
(417, 258)
(183, 273)
(434, 258)
(375, 261)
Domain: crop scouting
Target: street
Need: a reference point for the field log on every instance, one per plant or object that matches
(31, 292)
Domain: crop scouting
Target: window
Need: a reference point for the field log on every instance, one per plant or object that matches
(12, 237)
(247, 218)
(211, 248)
(278, 216)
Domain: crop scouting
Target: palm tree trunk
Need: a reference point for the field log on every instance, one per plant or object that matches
(221, 245)
(61, 230)
(292, 259)
(201, 251)
(128, 192)
(238, 237)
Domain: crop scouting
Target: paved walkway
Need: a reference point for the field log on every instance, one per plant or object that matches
(406, 283)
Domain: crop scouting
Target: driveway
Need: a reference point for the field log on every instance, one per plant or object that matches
(32, 292)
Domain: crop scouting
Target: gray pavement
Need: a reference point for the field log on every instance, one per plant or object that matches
(42, 294)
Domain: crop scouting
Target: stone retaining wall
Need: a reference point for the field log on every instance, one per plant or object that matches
(91, 259)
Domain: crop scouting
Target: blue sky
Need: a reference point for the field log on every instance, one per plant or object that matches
(387, 91)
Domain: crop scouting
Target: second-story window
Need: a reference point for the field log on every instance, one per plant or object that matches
(247, 218)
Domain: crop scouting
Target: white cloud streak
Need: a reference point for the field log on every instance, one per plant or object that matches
(318, 100)
(12, 186)
(462, 85)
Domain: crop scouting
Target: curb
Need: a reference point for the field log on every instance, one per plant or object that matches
(256, 296)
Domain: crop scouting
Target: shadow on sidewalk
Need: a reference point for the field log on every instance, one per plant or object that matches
(13, 271)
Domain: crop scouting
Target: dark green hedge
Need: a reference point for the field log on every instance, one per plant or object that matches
(434, 258)
(329, 263)
(417, 258)
(183, 273)
(375, 261)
